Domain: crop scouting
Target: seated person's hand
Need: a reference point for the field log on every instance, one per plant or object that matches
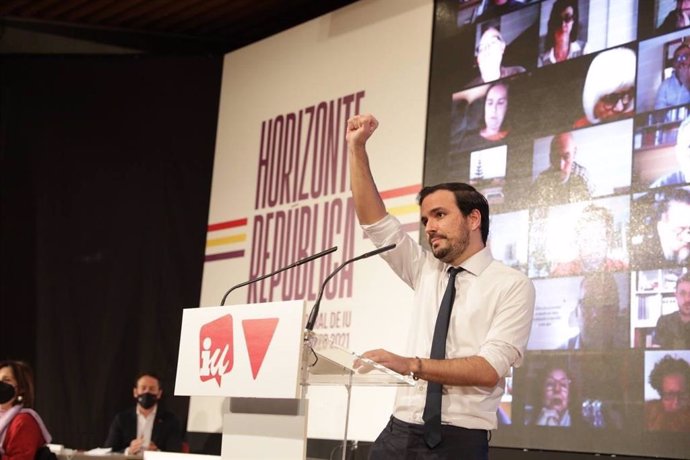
(135, 446)
(152, 446)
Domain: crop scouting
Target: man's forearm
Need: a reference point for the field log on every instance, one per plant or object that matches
(368, 203)
(470, 371)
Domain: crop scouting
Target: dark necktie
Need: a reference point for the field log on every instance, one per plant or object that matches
(432, 408)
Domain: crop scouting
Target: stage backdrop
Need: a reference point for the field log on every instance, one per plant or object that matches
(281, 185)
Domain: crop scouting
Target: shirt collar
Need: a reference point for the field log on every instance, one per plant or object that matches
(152, 414)
(477, 263)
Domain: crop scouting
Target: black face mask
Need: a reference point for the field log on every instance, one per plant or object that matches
(147, 400)
(7, 392)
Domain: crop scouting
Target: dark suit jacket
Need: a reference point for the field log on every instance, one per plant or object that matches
(167, 433)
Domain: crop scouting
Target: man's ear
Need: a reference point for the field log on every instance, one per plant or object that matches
(134, 392)
(476, 219)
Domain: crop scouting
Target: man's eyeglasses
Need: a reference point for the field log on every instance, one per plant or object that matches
(611, 100)
(551, 384)
(567, 17)
(682, 60)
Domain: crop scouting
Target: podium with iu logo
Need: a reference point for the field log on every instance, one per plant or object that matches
(251, 354)
(260, 357)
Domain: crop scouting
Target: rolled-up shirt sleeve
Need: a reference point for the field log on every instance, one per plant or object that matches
(507, 339)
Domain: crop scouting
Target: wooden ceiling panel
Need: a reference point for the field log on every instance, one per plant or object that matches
(113, 13)
(167, 18)
(82, 14)
(202, 25)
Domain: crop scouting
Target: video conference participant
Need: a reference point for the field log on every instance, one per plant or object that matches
(675, 89)
(682, 152)
(673, 226)
(561, 41)
(609, 91)
(597, 315)
(555, 400)
(22, 432)
(489, 324)
(489, 55)
(494, 127)
(673, 330)
(145, 426)
(495, 8)
(663, 234)
(676, 18)
(565, 180)
(594, 233)
(670, 377)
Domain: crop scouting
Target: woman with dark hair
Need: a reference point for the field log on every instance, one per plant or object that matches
(22, 432)
(563, 28)
(670, 377)
(494, 127)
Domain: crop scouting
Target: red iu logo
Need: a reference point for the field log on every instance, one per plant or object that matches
(216, 349)
(215, 346)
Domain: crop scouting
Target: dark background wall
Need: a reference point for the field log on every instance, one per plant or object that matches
(105, 166)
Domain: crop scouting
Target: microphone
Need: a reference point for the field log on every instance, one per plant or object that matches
(315, 309)
(292, 265)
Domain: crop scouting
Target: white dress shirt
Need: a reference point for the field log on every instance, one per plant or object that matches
(491, 318)
(145, 426)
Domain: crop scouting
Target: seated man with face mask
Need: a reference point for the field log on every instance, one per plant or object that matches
(145, 426)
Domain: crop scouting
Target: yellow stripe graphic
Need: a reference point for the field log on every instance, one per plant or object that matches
(226, 240)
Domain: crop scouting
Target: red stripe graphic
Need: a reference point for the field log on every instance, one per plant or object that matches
(402, 191)
(227, 224)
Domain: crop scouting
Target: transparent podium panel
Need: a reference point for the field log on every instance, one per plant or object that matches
(330, 364)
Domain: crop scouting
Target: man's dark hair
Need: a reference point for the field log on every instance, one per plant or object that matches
(666, 366)
(467, 198)
(664, 198)
(555, 21)
(149, 374)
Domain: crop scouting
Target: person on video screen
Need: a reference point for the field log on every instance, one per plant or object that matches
(673, 330)
(670, 377)
(682, 151)
(597, 315)
(494, 127)
(662, 237)
(594, 233)
(495, 8)
(676, 18)
(565, 180)
(673, 227)
(489, 55)
(561, 41)
(675, 90)
(555, 400)
(609, 91)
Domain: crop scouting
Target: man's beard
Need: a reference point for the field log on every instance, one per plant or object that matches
(451, 251)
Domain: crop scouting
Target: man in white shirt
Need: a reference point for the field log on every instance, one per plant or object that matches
(146, 426)
(490, 319)
(674, 90)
